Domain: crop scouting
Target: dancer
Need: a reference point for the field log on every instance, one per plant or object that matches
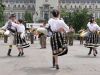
(92, 39)
(20, 36)
(57, 27)
(9, 27)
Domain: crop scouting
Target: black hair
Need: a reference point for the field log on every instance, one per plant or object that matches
(55, 13)
(91, 20)
(20, 21)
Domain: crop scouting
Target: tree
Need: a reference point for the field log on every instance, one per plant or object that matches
(28, 17)
(2, 8)
(98, 21)
(78, 18)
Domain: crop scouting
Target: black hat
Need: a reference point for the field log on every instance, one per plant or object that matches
(12, 15)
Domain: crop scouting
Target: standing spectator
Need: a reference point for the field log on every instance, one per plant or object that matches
(32, 34)
(42, 37)
(81, 37)
(71, 35)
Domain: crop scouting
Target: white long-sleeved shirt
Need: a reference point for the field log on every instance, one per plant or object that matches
(6, 25)
(56, 24)
(93, 27)
(20, 28)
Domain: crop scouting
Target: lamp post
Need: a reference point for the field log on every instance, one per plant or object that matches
(11, 10)
(93, 9)
(59, 7)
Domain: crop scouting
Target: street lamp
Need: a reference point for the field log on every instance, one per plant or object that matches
(93, 10)
(11, 11)
(59, 6)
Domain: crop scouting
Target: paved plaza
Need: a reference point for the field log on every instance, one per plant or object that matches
(37, 61)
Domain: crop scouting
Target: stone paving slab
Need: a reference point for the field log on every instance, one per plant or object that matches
(37, 61)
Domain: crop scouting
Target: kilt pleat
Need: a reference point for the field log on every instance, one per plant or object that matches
(92, 39)
(57, 41)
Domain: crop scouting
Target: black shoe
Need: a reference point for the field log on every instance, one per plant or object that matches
(57, 67)
(22, 53)
(8, 55)
(96, 52)
(53, 63)
(19, 54)
(89, 53)
(95, 55)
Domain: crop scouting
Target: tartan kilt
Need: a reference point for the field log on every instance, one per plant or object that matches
(92, 40)
(57, 41)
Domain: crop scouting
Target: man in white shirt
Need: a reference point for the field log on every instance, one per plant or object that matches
(12, 20)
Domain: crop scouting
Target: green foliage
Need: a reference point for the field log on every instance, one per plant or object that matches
(98, 21)
(78, 18)
(28, 17)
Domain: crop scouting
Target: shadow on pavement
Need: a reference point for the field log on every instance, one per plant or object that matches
(87, 56)
(6, 57)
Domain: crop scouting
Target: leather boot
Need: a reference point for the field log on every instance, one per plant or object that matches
(9, 51)
(53, 62)
(90, 51)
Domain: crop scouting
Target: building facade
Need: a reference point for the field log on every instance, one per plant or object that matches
(40, 9)
(44, 7)
(19, 7)
(93, 6)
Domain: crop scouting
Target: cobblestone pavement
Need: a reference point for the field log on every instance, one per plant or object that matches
(37, 61)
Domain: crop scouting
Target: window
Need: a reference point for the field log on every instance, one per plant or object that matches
(46, 0)
(61, 6)
(31, 1)
(8, 5)
(29, 6)
(14, 6)
(65, 6)
(21, 1)
(85, 6)
(90, 7)
(6, 1)
(79, 6)
(71, 6)
(23, 6)
(17, 1)
(96, 6)
(63, 1)
(18, 6)
(75, 6)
